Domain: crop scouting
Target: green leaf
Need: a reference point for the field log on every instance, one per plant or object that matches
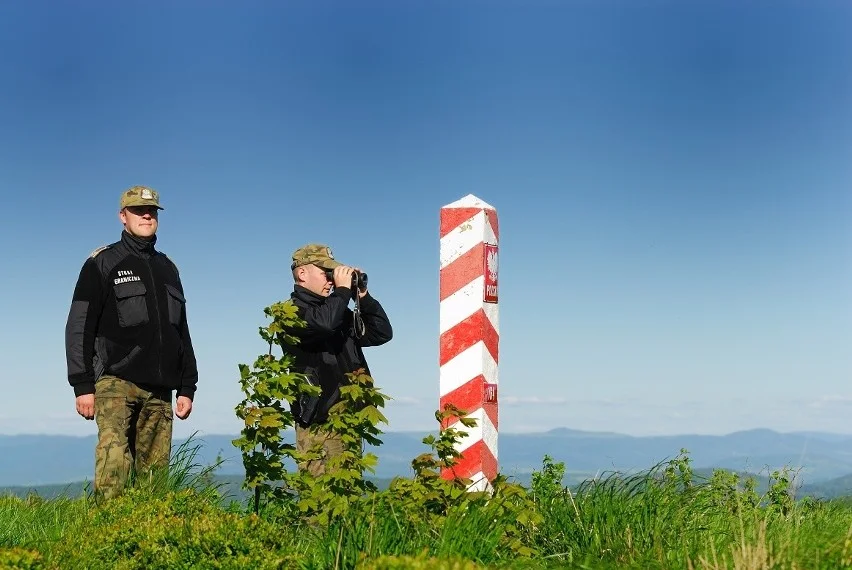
(270, 421)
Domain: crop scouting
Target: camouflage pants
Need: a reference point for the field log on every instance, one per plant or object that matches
(331, 443)
(134, 433)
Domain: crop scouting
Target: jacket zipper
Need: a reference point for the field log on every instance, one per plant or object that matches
(159, 321)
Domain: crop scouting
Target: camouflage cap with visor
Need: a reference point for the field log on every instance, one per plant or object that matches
(140, 196)
(316, 254)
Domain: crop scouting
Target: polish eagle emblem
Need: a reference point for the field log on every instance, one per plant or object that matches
(491, 264)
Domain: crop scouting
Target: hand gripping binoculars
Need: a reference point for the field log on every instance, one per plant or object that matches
(359, 280)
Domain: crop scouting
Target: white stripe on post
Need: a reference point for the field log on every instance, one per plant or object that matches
(470, 333)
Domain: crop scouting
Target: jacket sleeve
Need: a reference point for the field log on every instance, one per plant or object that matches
(81, 327)
(189, 367)
(324, 319)
(377, 326)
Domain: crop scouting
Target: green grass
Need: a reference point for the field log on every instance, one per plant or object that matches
(35, 522)
(659, 519)
(639, 523)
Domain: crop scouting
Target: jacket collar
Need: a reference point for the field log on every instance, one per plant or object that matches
(138, 246)
(307, 296)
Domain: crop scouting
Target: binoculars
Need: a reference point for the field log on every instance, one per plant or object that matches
(359, 280)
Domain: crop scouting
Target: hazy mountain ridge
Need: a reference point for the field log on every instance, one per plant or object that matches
(32, 460)
(230, 486)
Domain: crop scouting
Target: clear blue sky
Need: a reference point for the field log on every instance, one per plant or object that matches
(672, 181)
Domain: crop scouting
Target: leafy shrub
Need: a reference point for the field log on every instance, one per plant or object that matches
(421, 562)
(179, 530)
(270, 389)
(20, 559)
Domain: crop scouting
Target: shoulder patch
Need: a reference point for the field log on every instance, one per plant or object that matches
(97, 251)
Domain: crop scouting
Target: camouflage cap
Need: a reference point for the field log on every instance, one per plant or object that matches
(140, 196)
(316, 254)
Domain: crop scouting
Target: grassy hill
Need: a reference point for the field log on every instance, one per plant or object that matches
(629, 522)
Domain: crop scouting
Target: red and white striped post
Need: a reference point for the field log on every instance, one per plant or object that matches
(470, 333)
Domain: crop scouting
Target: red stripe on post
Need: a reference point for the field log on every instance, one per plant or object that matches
(451, 218)
(467, 333)
(475, 459)
(462, 270)
(491, 216)
(490, 409)
(467, 397)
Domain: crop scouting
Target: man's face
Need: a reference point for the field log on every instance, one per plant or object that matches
(314, 280)
(140, 221)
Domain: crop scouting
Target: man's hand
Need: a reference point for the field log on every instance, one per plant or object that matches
(343, 276)
(361, 292)
(86, 406)
(184, 407)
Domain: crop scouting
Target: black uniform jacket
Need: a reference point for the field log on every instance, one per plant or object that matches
(128, 319)
(328, 348)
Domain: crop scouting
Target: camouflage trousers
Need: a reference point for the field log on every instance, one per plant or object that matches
(331, 443)
(134, 433)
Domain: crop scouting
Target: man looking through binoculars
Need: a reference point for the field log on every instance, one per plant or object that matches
(330, 345)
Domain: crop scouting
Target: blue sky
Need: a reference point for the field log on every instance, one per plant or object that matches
(672, 181)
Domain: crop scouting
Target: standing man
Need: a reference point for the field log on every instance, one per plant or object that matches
(330, 345)
(127, 346)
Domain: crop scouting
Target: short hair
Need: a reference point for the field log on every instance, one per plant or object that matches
(296, 271)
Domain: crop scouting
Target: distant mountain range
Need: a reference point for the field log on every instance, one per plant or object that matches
(822, 460)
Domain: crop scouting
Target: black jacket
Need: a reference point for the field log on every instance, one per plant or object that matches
(128, 319)
(328, 347)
